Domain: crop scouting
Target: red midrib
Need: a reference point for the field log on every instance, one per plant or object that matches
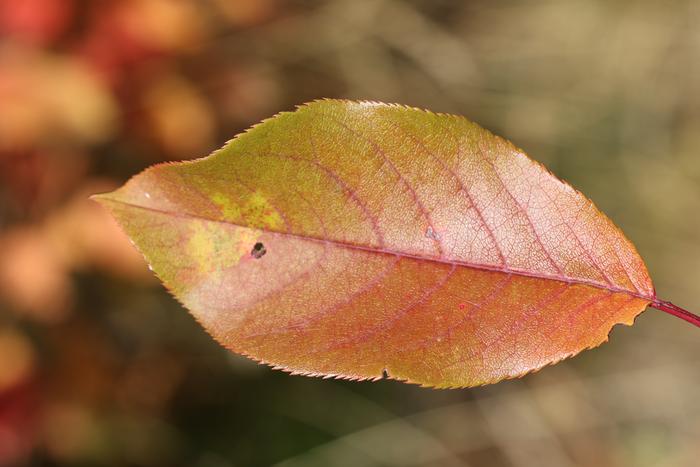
(386, 251)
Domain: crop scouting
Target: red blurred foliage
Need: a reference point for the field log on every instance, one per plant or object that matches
(19, 412)
(89, 93)
(37, 22)
(19, 397)
(121, 35)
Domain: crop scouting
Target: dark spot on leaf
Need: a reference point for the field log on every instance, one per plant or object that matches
(258, 251)
(385, 373)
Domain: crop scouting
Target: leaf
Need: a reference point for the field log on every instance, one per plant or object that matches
(356, 239)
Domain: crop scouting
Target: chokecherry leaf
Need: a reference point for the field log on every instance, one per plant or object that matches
(359, 239)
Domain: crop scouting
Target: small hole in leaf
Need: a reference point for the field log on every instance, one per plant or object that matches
(258, 251)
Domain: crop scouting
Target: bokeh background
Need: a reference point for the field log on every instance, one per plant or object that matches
(99, 366)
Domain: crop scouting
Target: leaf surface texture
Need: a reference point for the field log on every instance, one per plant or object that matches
(354, 238)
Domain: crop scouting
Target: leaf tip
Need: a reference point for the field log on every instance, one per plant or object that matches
(102, 198)
(106, 200)
(98, 197)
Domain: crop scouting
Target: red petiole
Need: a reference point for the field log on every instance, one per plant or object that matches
(677, 311)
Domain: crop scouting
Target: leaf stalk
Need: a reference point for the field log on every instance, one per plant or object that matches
(676, 311)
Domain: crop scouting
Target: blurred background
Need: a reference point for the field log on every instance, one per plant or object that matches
(100, 366)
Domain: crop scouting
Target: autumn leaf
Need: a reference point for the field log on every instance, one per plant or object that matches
(360, 240)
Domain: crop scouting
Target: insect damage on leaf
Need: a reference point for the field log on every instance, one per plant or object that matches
(408, 245)
(258, 251)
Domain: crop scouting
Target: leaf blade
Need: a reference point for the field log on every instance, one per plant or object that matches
(418, 200)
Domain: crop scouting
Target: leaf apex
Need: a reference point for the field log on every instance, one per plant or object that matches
(101, 198)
